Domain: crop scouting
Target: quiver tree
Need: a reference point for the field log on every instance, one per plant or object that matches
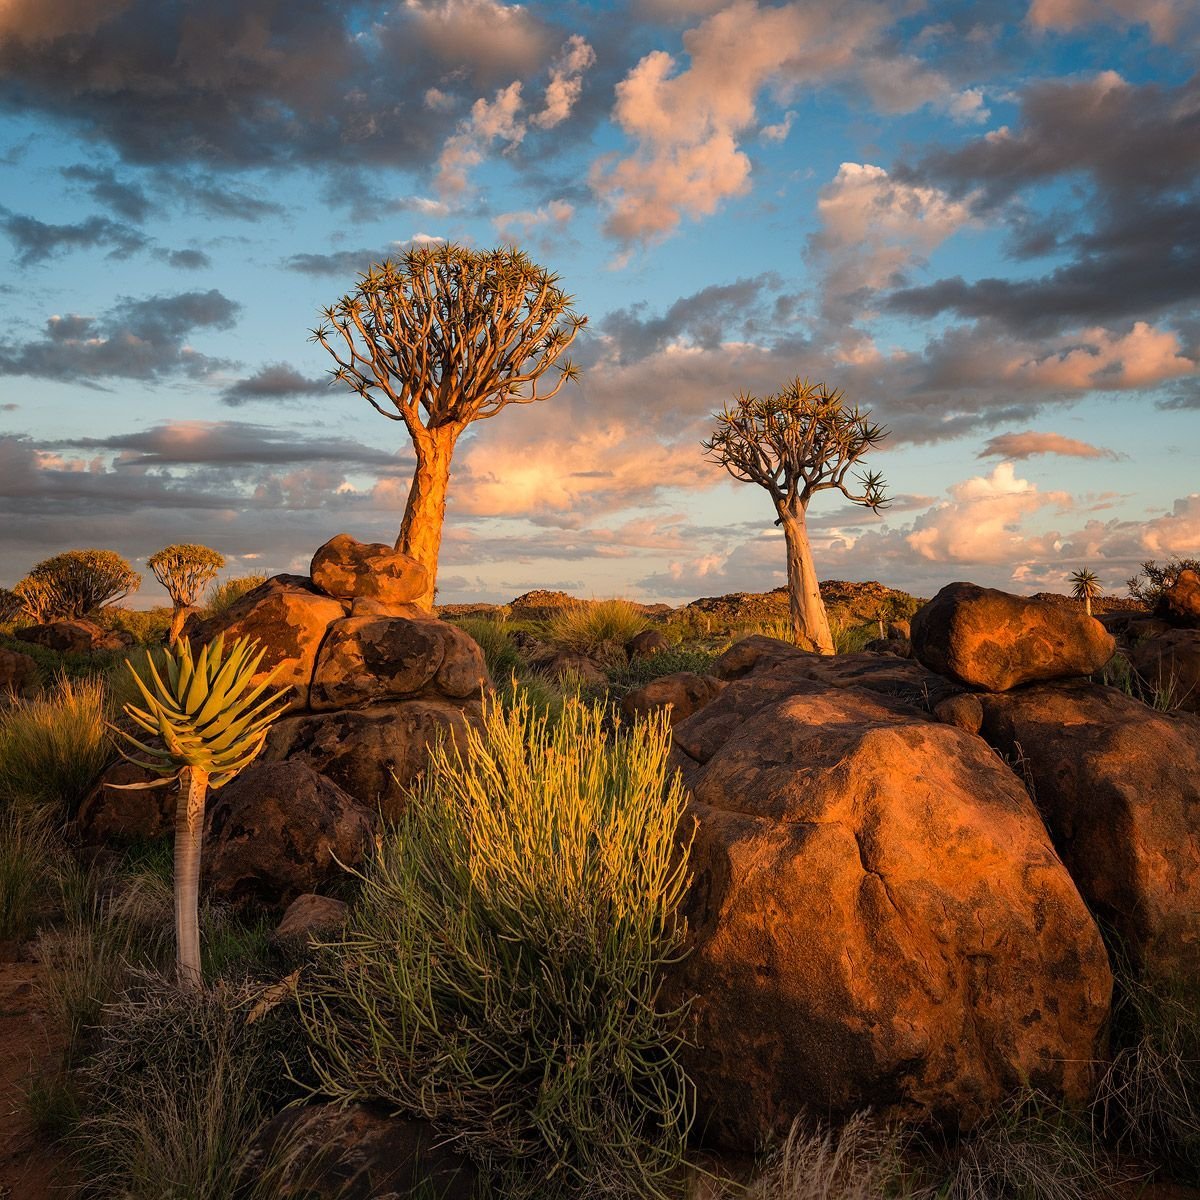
(184, 570)
(796, 443)
(442, 338)
(36, 599)
(1085, 586)
(78, 582)
(10, 605)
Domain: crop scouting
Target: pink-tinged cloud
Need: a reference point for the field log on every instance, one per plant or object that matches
(1099, 358)
(1019, 446)
(1164, 18)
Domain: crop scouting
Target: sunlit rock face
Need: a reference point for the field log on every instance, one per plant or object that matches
(988, 639)
(878, 917)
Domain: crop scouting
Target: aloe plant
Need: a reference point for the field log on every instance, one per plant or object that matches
(1086, 587)
(212, 722)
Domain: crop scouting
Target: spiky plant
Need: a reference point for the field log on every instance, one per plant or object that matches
(212, 720)
(1085, 587)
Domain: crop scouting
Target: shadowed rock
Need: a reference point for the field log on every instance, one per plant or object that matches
(1181, 601)
(1169, 664)
(684, 693)
(115, 815)
(74, 637)
(17, 671)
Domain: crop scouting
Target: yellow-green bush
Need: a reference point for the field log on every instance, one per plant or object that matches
(599, 630)
(500, 972)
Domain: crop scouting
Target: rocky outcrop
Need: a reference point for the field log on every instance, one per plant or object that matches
(683, 693)
(279, 830)
(114, 814)
(368, 571)
(877, 917)
(288, 617)
(1118, 784)
(647, 643)
(73, 637)
(988, 639)
(1169, 666)
(310, 917)
(374, 753)
(331, 1152)
(1180, 602)
(18, 671)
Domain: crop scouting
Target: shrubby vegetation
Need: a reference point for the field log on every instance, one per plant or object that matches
(1152, 579)
(222, 596)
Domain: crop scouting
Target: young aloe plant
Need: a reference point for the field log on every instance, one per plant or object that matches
(212, 723)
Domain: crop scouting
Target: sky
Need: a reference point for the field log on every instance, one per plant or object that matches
(981, 219)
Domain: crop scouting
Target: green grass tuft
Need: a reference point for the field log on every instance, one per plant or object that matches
(223, 596)
(500, 652)
(600, 630)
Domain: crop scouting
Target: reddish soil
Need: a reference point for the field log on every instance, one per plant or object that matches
(29, 1169)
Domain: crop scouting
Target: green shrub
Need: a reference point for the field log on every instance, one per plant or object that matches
(640, 671)
(599, 630)
(53, 747)
(222, 596)
(500, 972)
(147, 626)
(1151, 580)
(500, 652)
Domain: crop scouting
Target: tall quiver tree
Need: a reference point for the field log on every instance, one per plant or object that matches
(1085, 586)
(184, 570)
(796, 443)
(444, 337)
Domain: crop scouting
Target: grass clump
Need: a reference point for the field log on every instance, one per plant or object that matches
(494, 638)
(500, 972)
(53, 747)
(27, 853)
(223, 596)
(599, 630)
(640, 671)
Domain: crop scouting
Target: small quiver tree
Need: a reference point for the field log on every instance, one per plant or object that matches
(10, 605)
(796, 443)
(1085, 586)
(212, 722)
(184, 570)
(36, 600)
(442, 338)
(76, 583)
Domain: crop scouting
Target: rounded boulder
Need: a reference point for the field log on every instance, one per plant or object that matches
(349, 569)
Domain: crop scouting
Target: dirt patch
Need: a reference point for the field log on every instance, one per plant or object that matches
(29, 1044)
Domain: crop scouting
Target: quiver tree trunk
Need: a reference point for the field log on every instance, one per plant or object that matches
(178, 619)
(189, 836)
(810, 625)
(425, 513)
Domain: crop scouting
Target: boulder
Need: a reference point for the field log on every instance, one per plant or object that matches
(67, 637)
(647, 643)
(985, 638)
(684, 693)
(877, 917)
(279, 830)
(1118, 785)
(356, 1152)
(899, 630)
(571, 667)
(17, 671)
(311, 916)
(350, 569)
(361, 607)
(112, 814)
(374, 753)
(1169, 665)
(1181, 601)
(963, 710)
(896, 646)
(288, 617)
(366, 659)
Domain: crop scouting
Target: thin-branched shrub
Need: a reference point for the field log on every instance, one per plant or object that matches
(223, 596)
(600, 630)
(500, 973)
(494, 638)
(53, 747)
(1149, 1096)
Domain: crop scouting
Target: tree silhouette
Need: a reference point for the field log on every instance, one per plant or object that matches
(796, 443)
(184, 569)
(77, 582)
(1086, 587)
(440, 339)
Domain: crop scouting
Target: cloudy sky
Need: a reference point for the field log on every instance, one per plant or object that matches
(979, 218)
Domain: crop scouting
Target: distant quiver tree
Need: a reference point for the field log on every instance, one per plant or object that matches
(76, 583)
(1085, 586)
(444, 337)
(184, 570)
(796, 443)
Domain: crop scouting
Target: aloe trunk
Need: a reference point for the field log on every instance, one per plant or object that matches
(189, 835)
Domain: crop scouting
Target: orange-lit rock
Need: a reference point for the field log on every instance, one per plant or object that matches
(350, 569)
(684, 693)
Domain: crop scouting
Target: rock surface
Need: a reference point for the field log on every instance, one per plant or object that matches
(988, 639)
(1119, 787)
(647, 643)
(684, 693)
(17, 671)
(1181, 601)
(370, 659)
(374, 753)
(963, 711)
(72, 637)
(288, 617)
(1169, 664)
(310, 916)
(117, 815)
(279, 830)
(357, 1153)
(877, 917)
(349, 569)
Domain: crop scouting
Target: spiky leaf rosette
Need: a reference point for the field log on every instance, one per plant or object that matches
(205, 710)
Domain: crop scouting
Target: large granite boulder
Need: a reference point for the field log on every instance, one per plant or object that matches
(1118, 784)
(683, 693)
(1181, 601)
(647, 644)
(371, 659)
(368, 571)
(877, 918)
(289, 619)
(1169, 665)
(73, 637)
(988, 639)
(280, 830)
(374, 753)
(113, 813)
(18, 672)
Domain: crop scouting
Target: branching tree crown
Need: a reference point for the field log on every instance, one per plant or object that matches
(185, 570)
(797, 442)
(81, 581)
(1085, 586)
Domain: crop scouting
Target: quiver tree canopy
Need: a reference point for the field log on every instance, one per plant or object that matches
(78, 582)
(184, 569)
(795, 443)
(440, 338)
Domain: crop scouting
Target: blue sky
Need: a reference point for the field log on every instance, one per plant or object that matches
(980, 219)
